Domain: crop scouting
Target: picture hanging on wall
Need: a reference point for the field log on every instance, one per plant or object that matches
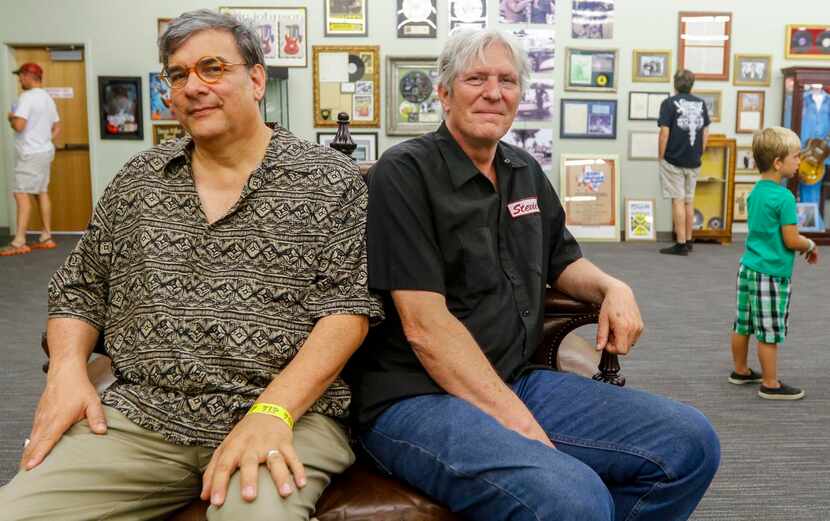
(740, 212)
(642, 144)
(590, 195)
(808, 42)
(703, 44)
(161, 26)
(412, 103)
(591, 70)
(166, 132)
(639, 220)
(281, 32)
(540, 45)
(753, 69)
(119, 102)
(808, 217)
(346, 79)
(527, 11)
(367, 144)
(651, 66)
(592, 19)
(645, 106)
(537, 101)
(467, 13)
(712, 99)
(745, 162)
(160, 102)
(588, 119)
(538, 142)
(417, 18)
(346, 18)
(749, 116)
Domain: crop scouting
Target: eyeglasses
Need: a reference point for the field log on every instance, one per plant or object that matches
(209, 69)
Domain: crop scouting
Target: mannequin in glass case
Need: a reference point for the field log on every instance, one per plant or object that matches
(815, 123)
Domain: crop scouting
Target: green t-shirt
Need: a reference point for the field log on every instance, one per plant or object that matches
(771, 206)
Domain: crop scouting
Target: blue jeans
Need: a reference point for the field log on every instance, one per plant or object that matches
(621, 454)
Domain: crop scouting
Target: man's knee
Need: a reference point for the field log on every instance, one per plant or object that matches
(697, 447)
(583, 495)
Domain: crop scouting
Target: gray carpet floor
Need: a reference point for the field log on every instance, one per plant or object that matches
(775, 455)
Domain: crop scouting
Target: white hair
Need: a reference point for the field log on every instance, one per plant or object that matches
(468, 45)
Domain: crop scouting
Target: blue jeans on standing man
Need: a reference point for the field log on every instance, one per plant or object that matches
(621, 454)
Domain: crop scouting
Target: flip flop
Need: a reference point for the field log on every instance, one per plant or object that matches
(11, 249)
(48, 244)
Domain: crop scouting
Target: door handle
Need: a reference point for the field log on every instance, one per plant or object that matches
(74, 146)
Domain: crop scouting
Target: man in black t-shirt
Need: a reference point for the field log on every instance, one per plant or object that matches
(684, 130)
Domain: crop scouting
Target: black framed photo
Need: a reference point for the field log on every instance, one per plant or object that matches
(119, 104)
(588, 119)
(417, 18)
(367, 144)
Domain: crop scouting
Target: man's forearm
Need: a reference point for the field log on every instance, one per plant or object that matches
(662, 141)
(71, 341)
(584, 281)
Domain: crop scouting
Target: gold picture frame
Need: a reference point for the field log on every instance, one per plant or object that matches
(714, 103)
(651, 65)
(590, 188)
(591, 69)
(167, 131)
(346, 78)
(801, 42)
(741, 193)
(749, 111)
(753, 70)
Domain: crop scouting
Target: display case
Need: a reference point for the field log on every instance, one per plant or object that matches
(714, 193)
(806, 110)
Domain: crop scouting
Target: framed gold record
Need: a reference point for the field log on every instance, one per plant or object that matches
(346, 78)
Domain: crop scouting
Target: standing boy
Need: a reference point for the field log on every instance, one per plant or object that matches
(767, 265)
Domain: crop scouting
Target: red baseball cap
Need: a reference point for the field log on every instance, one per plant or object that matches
(31, 68)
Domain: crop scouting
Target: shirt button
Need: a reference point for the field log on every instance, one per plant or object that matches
(506, 161)
(525, 313)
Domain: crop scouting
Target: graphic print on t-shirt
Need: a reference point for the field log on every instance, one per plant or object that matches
(690, 117)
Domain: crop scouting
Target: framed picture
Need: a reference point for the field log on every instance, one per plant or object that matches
(535, 12)
(538, 142)
(752, 69)
(808, 42)
(592, 19)
(742, 190)
(160, 102)
(412, 103)
(537, 101)
(642, 144)
(749, 116)
(588, 118)
(704, 43)
(167, 131)
(417, 18)
(744, 161)
(639, 220)
(540, 45)
(282, 32)
(346, 18)
(346, 79)
(651, 66)
(161, 26)
(713, 101)
(119, 102)
(808, 220)
(467, 13)
(645, 106)
(591, 70)
(590, 195)
(367, 144)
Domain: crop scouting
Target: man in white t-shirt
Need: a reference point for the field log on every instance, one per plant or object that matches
(35, 120)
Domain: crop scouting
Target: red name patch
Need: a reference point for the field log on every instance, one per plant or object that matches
(523, 207)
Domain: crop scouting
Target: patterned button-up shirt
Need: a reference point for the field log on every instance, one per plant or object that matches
(199, 318)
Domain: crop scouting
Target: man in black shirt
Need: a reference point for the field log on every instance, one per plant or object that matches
(464, 234)
(684, 131)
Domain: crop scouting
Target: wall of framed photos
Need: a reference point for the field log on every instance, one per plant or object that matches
(119, 38)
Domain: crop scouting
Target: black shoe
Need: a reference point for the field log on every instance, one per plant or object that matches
(677, 249)
(741, 379)
(785, 392)
(689, 246)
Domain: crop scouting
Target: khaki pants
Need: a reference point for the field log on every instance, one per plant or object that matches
(134, 474)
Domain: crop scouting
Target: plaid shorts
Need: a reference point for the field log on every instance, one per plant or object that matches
(763, 306)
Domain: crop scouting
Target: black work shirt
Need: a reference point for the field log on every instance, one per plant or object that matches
(436, 223)
(685, 116)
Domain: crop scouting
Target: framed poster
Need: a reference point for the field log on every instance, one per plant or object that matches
(807, 42)
(538, 142)
(651, 66)
(588, 119)
(467, 14)
(808, 220)
(592, 70)
(367, 144)
(412, 103)
(540, 45)
(639, 220)
(417, 18)
(167, 131)
(346, 79)
(346, 18)
(592, 19)
(749, 116)
(752, 69)
(645, 106)
(712, 99)
(119, 105)
(282, 32)
(742, 190)
(537, 101)
(642, 144)
(160, 102)
(590, 195)
(704, 43)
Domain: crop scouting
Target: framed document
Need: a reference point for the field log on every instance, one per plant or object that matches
(281, 30)
(712, 98)
(588, 118)
(412, 103)
(417, 18)
(808, 42)
(645, 106)
(705, 39)
(590, 195)
(752, 69)
(651, 66)
(167, 131)
(749, 116)
(591, 70)
(335, 68)
(346, 18)
(742, 190)
(642, 144)
(367, 144)
(639, 220)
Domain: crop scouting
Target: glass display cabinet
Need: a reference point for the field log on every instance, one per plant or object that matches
(714, 193)
(806, 110)
(275, 103)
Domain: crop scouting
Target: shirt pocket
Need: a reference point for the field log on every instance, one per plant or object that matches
(479, 260)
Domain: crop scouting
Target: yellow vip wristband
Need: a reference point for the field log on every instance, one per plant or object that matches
(273, 410)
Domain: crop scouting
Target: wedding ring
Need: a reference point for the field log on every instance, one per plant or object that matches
(273, 452)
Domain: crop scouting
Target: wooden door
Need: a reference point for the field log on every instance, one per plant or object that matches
(70, 186)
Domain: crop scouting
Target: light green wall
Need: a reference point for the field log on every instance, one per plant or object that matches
(119, 37)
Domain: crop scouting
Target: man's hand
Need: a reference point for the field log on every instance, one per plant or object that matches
(620, 324)
(69, 397)
(528, 427)
(256, 439)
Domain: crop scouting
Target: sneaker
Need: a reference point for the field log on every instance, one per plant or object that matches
(677, 249)
(741, 379)
(689, 246)
(785, 392)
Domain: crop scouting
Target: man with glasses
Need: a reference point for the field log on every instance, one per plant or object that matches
(227, 272)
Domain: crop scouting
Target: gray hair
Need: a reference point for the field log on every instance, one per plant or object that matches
(467, 45)
(191, 22)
